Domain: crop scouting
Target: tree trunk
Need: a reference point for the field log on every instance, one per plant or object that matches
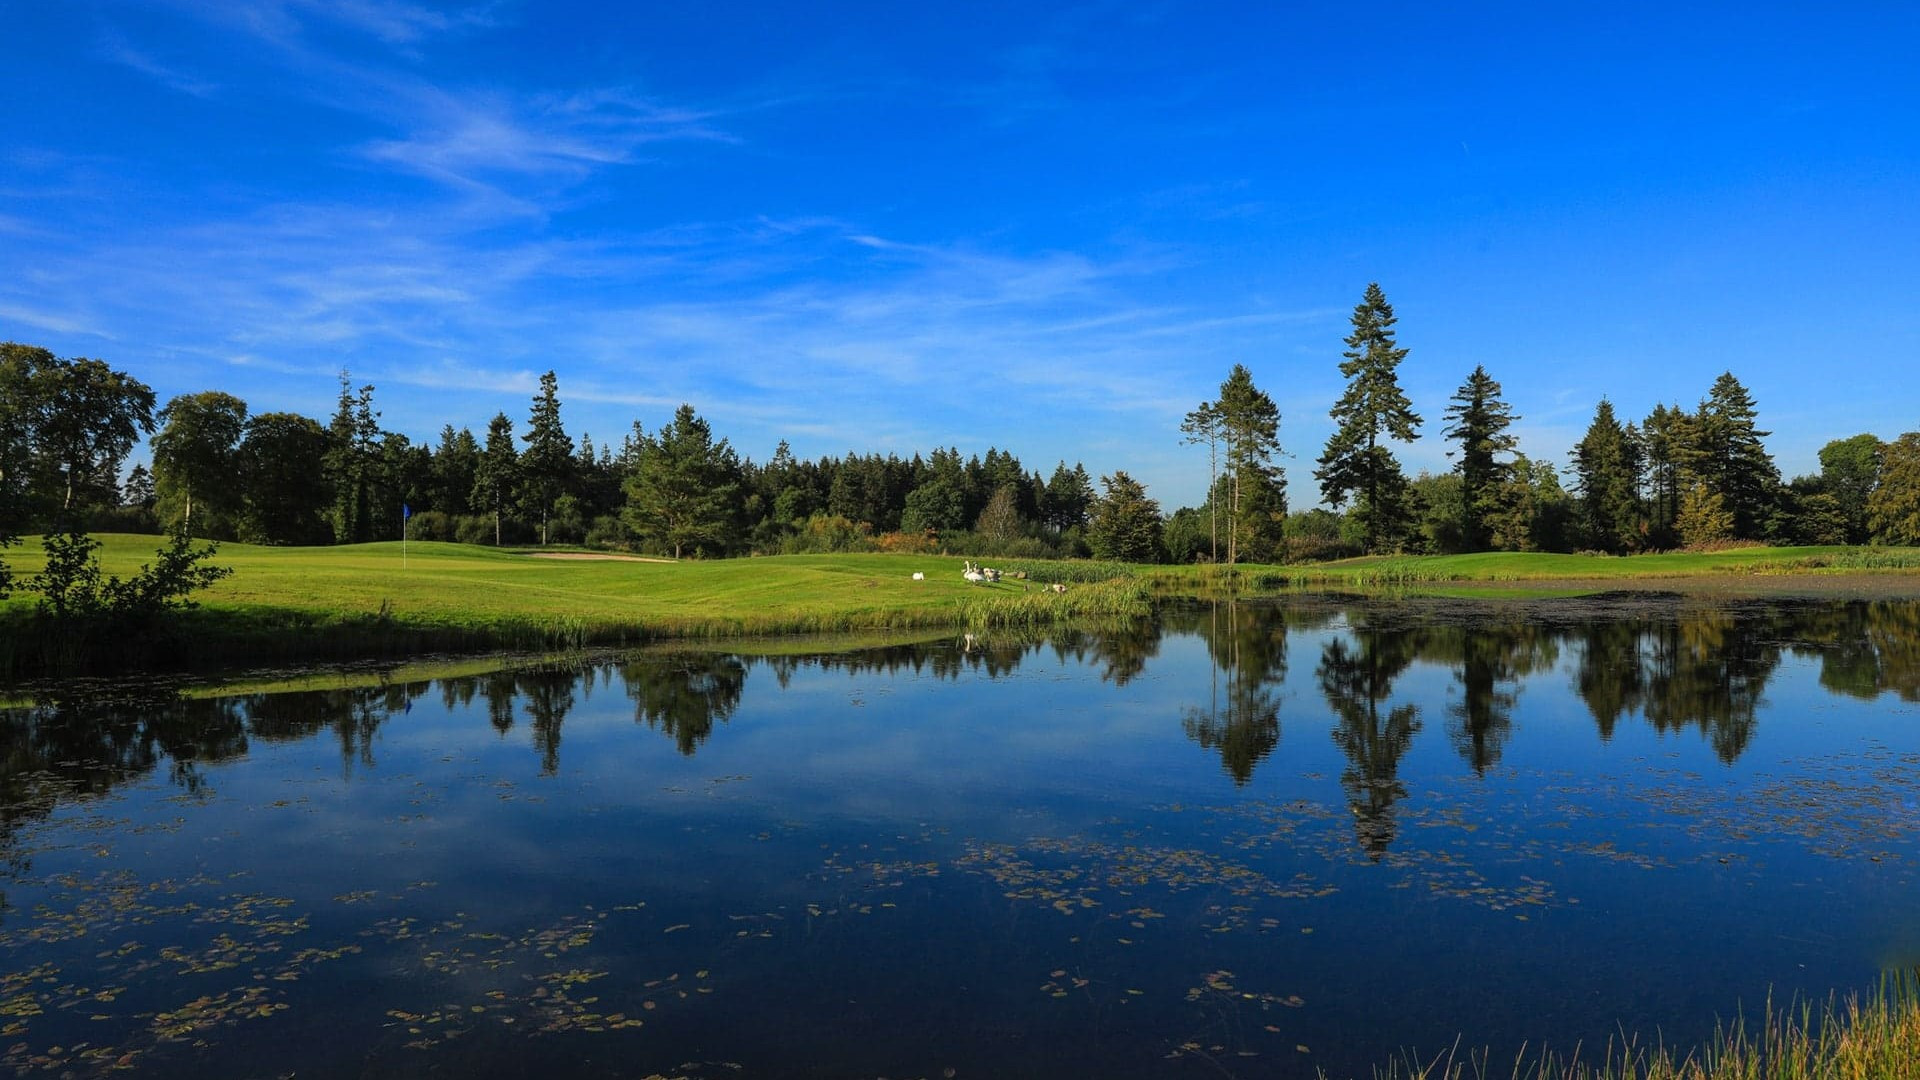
(496, 526)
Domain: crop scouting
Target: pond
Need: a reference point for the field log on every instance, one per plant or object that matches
(1246, 839)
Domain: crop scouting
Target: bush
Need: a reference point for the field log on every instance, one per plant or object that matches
(430, 525)
(83, 618)
(905, 543)
(608, 531)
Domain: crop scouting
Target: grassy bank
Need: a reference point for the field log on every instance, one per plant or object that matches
(1496, 567)
(371, 600)
(1875, 1038)
(363, 600)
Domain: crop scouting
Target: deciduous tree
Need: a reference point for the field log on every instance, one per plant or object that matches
(194, 455)
(1893, 510)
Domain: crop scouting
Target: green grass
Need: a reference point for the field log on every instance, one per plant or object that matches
(360, 601)
(1876, 1038)
(1514, 566)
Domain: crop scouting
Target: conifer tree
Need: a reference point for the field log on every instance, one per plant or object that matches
(1606, 470)
(682, 493)
(1726, 455)
(1480, 420)
(547, 465)
(352, 458)
(1372, 408)
(1125, 523)
(496, 474)
(1249, 427)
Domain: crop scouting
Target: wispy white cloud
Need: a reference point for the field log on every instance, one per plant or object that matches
(78, 325)
(116, 48)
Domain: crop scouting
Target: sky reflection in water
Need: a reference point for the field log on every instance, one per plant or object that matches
(1252, 838)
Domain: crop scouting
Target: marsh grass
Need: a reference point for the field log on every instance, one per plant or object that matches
(1872, 1038)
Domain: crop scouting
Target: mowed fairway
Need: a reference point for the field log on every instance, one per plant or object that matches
(456, 585)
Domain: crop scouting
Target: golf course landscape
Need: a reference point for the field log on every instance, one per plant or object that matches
(366, 600)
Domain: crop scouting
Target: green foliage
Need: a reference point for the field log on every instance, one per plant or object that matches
(195, 458)
(284, 498)
(82, 612)
(351, 463)
(1849, 470)
(65, 427)
(682, 493)
(1479, 420)
(1606, 466)
(1725, 453)
(1245, 421)
(1068, 497)
(546, 468)
(1126, 524)
(1704, 517)
(1372, 406)
(1893, 511)
(496, 473)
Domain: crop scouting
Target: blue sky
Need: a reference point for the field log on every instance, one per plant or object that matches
(1052, 230)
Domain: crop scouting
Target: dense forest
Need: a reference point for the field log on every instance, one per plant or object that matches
(1678, 477)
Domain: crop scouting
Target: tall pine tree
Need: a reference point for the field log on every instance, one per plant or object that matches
(1249, 426)
(1606, 469)
(496, 474)
(546, 468)
(1480, 420)
(1372, 408)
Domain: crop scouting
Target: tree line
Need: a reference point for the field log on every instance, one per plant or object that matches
(1678, 477)
(220, 470)
(1693, 478)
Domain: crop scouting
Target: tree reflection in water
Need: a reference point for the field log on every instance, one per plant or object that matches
(682, 696)
(1248, 644)
(1357, 679)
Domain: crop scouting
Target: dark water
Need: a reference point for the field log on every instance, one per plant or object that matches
(1253, 840)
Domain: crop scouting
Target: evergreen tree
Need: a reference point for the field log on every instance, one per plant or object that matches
(1202, 425)
(1372, 407)
(1125, 524)
(1480, 420)
(496, 475)
(682, 494)
(1704, 517)
(1069, 497)
(454, 464)
(546, 468)
(1248, 423)
(1664, 438)
(1606, 473)
(351, 462)
(1728, 457)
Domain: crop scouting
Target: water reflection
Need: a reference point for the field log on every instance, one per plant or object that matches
(1357, 679)
(682, 697)
(1677, 668)
(1248, 645)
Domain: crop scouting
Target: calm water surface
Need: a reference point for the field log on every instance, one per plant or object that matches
(1250, 840)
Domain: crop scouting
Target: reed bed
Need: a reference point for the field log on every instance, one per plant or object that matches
(1876, 1037)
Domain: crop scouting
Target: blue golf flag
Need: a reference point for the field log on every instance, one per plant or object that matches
(405, 511)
